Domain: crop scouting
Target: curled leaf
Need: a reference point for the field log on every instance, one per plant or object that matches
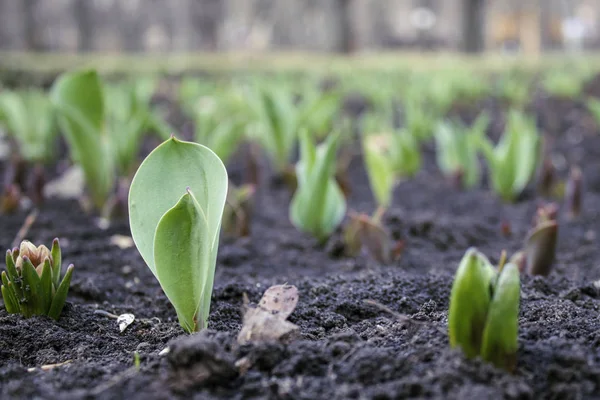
(574, 192)
(267, 321)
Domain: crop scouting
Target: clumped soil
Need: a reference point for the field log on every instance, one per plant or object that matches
(347, 348)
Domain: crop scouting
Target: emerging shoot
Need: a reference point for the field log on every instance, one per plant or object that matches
(31, 284)
(176, 204)
(319, 205)
(484, 310)
(456, 149)
(513, 161)
(539, 250)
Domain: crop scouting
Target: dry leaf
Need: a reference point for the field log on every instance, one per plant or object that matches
(280, 299)
(267, 321)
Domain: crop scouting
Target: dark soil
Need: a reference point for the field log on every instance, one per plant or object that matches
(347, 349)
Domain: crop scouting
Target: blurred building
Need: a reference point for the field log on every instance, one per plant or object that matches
(317, 25)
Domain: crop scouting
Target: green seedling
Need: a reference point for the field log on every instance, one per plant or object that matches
(367, 232)
(79, 100)
(484, 310)
(539, 250)
(562, 84)
(420, 121)
(318, 205)
(176, 203)
(513, 162)
(514, 90)
(389, 157)
(30, 121)
(219, 133)
(279, 117)
(104, 126)
(456, 149)
(275, 123)
(129, 117)
(239, 209)
(31, 284)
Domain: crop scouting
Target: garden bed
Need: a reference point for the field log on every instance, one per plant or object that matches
(347, 348)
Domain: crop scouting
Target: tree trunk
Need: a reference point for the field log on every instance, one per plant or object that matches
(473, 26)
(84, 24)
(347, 41)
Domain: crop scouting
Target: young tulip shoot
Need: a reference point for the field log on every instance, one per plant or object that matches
(364, 232)
(574, 192)
(79, 101)
(318, 206)
(513, 161)
(239, 209)
(484, 309)
(457, 148)
(31, 284)
(540, 244)
(176, 203)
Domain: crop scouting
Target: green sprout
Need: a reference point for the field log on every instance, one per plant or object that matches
(274, 125)
(367, 232)
(176, 202)
(420, 120)
(513, 162)
(29, 119)
(514, 89)
(31, 284)
(79, 100)
(104, 126)
(279, 115)
(380, 169)
(219, 126)
(456, 149)
(562, 84)
(318, 205)
(129, 117)
(484, 310)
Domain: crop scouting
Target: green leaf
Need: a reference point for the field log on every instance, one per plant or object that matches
(183, 254)
(11, 302)
(46, 287)
(500, 337)
(32, 290)
(78, 99)
(29, 117)
(379, 169)
(318, 206)
(56, 255)
(157, 186)
(469, 302)
(58, 302)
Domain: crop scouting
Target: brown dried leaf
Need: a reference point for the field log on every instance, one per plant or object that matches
(261, 325)
(267, 321)
(280, 299)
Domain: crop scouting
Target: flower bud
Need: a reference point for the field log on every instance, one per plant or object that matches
(37, 255)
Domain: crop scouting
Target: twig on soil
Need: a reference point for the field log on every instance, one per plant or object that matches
(29, 220)
(128, 373)
(398, 316)
(48, 367)
(106, 314)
